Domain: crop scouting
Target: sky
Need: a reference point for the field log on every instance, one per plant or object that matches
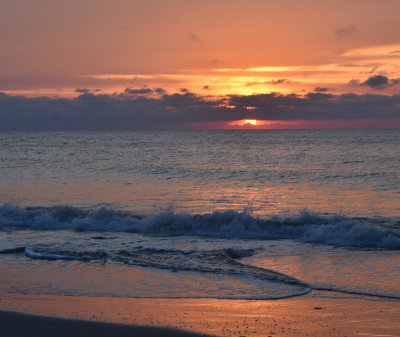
(159, 64)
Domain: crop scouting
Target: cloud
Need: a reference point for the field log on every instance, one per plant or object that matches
(354, 82)
(279, 81)
(194, 37)
(121, 112)
(160, 91)
(215, 62)
(82, 90)
(344, 32)
(319, 89)
(318, 96)
(377, 82)
(142, 91)
(273, 82)
(373, 69)
(86, 91)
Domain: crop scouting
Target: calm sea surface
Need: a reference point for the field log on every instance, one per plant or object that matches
(352, 172)
(223, 214)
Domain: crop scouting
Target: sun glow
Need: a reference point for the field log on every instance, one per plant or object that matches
(249, 123)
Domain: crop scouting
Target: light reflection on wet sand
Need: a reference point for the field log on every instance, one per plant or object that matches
(309, 315)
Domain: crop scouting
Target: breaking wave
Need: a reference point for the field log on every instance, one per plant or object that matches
(305, 227)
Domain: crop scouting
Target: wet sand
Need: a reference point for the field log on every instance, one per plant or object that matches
(316, 314)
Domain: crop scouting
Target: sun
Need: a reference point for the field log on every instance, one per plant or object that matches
(250, 121)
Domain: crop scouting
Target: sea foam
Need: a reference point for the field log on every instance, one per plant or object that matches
(305, 227)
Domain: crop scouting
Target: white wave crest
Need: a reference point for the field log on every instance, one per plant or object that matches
(305, 227)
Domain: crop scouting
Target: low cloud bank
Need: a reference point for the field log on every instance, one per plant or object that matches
(134, 109)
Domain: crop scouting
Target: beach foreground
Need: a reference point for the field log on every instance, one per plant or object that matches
(16, 324)
(310, 315)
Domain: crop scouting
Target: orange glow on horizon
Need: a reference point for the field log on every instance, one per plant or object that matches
(249, 122)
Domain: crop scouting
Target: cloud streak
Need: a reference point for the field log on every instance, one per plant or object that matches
(344, 32)
(140, 111)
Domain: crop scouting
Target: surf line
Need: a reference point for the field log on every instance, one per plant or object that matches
(236, 268)
(292, 280)
(354, 292)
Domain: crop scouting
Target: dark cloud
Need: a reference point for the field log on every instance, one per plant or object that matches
(318, 96)
(82, 90)
(142, 91)
(319, 89)
(373, 69)
(345, 31)
(206, 87)
(319, 106)
(273, 82)
(279, 81)
(86, 91)
(119, 112)
(132, 94)
(160, 91)
(377, 82)
(183, 90)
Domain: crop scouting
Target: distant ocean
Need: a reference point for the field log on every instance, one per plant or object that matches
(261, 214)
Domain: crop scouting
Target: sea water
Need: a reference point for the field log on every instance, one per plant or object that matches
(201, 214)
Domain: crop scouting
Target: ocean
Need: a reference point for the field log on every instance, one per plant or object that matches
(238, 214)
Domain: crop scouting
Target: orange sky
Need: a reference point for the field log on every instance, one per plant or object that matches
(230, 46)
(211, 48)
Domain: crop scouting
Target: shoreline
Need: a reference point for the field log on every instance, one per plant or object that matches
(315, 314)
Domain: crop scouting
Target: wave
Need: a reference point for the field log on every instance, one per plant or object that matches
(305, 227)
(19, 249)
(250, 282)
(43, 254)
(219, 261)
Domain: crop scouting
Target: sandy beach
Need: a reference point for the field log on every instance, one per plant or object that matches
(15, 324)
(311, 315)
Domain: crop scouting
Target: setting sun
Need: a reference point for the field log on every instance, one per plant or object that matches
(249, 123)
